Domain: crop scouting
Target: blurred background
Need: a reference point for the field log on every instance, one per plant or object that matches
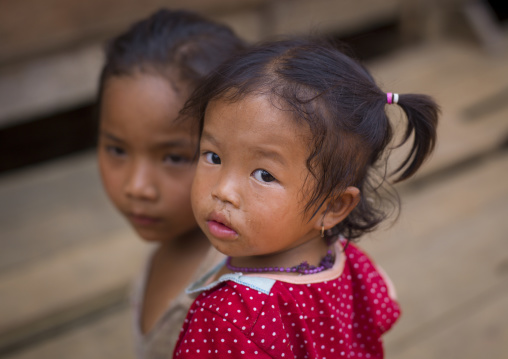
(67, 259)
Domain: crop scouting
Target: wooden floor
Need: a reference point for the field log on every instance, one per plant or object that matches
(67, 258)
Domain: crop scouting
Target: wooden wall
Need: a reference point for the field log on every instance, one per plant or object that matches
(51, 50)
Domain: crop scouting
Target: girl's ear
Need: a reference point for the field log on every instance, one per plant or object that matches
(338, 208)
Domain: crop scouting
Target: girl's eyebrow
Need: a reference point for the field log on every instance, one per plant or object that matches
(162, 144)
(207, 136)
(110, 136)
(174, 143)
(271, 154)
(258, 150)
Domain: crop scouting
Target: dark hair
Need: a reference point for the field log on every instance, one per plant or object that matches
(345, 110)
(180, 45)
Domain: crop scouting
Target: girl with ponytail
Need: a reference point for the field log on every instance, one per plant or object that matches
(291, 135)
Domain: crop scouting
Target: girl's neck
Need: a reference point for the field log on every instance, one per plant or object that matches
(188, 242)
(171, 268)
(311, 252)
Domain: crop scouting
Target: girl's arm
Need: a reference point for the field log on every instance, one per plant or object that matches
(392, 293)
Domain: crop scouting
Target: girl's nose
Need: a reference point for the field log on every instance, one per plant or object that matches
(226, 190)
(140, 183)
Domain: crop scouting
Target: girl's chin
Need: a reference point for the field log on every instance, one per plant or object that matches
(160, 235)
(151, 236)
(154, 238)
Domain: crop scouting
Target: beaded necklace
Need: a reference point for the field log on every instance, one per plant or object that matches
(302, 268)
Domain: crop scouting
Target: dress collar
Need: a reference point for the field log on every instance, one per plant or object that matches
(263, 282)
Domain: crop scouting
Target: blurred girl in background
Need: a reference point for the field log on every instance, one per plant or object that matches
(146, 155)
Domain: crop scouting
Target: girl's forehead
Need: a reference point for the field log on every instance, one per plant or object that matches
(140, 90)
(147, 80)
(142, 102)
(258, 100)
(253, 112)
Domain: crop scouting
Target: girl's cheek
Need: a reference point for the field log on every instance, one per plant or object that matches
(196, 196)
(199, 184)
(202, 195)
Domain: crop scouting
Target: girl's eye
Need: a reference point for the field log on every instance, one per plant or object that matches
(176, 159)
(212, 158)
(263, 176)
(115, 151)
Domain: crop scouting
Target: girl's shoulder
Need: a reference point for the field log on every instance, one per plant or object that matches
(230, 298)
(372, 290)
(362, 269)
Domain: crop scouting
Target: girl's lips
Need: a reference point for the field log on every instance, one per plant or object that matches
(220, 230)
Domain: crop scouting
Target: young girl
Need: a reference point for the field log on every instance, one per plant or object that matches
(146, 157)
(291, 132)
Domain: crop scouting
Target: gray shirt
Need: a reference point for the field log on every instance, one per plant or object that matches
(161, 340)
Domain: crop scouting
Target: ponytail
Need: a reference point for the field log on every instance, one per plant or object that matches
(422, 117)
(378, 201)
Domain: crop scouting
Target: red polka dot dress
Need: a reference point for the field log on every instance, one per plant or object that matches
(338, 313)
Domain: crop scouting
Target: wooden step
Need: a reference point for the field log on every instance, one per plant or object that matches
(477, 331)
(66, 253)
(67, 285)
(107, 337)
(52, 207)
(447, 250)
(444, 255)
(470, 86)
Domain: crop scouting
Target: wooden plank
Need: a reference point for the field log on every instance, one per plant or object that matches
(51, 207)
(330, 16)
(446, 248)
(483, 22)
(444, 238)
(68, 23)
(58, 78)
(49, 84)
(458, 77)
(108, 337)
(479, 332)
(67, 285)
(250, 24)
(66, 253)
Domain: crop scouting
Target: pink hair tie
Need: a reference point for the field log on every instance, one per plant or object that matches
(392, 98)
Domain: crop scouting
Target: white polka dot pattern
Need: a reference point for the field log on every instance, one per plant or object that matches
(341, 318)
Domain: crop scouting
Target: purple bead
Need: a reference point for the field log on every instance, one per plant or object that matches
(303, 268)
